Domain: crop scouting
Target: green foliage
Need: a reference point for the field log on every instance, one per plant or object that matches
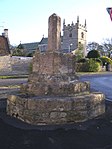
(20, 46)
(79, 67)
(13, 76)
(89, 66)
(98, 60)
(105, 60)
(30, 54)
(93, 54)
(92, 66)
(82, 60)
(18, 52)
(79, 53)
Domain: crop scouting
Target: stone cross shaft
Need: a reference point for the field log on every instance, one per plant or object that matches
(54, 33)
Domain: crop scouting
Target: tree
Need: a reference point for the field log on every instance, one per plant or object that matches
(96, 46)
(107, 44)
(105, 60)
(93, 54)
(92, 46)
(101, 50)
(79, 53)
(20, 46)
(30, 54)
(91, 66)
(19, 51)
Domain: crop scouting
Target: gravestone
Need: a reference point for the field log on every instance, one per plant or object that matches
(53, 94)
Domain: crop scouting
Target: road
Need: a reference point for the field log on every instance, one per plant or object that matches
(97, 135)
(8, 82)
(102, 83)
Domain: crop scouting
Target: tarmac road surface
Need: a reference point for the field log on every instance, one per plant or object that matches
(95, 134)
(8, 82)
(101, 83)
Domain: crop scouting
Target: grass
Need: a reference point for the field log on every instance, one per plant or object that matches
(77, 73)
(92, 73)
(13, 76)
(9, 86)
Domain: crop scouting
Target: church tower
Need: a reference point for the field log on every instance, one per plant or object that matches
(74, 35)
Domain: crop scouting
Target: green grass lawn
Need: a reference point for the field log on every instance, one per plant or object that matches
(13, 76)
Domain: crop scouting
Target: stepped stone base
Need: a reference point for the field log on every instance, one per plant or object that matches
(53, 94)
(63, 88)
(56, 110)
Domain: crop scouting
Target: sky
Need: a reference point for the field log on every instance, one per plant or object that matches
(27, 20)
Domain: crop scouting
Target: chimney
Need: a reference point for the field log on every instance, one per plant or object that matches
(5, 34)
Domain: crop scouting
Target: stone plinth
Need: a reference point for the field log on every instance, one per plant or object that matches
(51, 88)
(53, 74)
(56, 110)
(53, 63)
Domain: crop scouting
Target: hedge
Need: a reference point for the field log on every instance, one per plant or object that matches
(89, 66)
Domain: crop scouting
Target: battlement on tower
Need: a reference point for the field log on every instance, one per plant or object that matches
(74, 26)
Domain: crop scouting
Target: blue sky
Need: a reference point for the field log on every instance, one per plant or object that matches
(27, 20)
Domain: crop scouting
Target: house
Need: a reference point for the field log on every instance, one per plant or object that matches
(4, 43)
(30, 47)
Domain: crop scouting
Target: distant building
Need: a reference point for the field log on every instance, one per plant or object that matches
(43, 44)
(30, 47)
(4, 43)
(74, 35)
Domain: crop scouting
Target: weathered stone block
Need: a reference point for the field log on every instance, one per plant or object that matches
(57, 110)
(77, 116)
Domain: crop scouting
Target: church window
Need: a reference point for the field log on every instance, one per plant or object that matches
(79, 43)
(82, 35)
(70, 35)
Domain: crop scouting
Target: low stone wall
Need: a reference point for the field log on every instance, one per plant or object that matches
(56, 110)
(5, 64)
(14, 64)
(20, 63)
